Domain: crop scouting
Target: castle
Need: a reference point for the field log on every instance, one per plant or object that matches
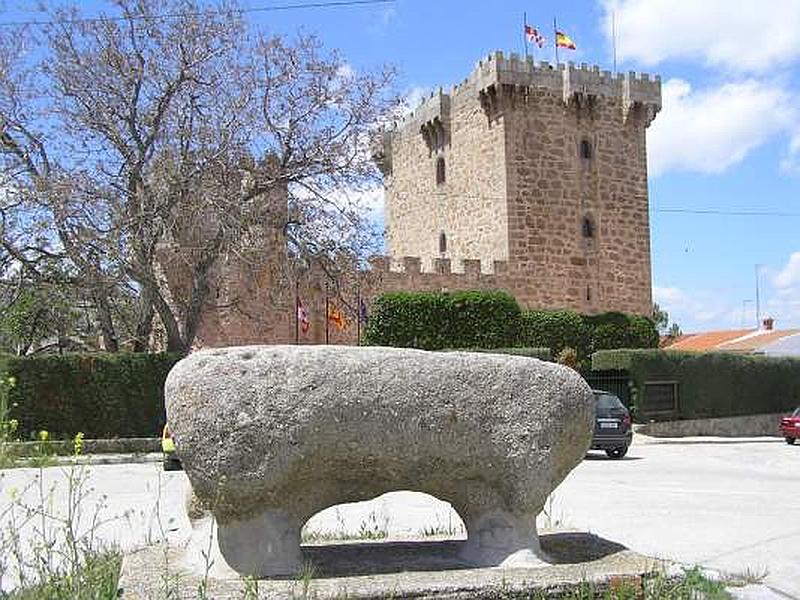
(526, 176)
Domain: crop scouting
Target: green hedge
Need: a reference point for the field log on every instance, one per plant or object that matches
(101, 395)
(439, 320)
(586, 333)
(715, 384)
(493, 319)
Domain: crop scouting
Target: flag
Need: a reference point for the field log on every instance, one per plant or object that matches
(564, 41)
(534, 36)
(302, 317)
(362, 311)
(336, 317)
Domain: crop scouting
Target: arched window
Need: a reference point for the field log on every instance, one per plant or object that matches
(588, 228)
(442, 243)
(586, 149)
(440, 171)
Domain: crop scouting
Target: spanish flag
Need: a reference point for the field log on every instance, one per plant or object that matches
(336, 317)
(564, 41)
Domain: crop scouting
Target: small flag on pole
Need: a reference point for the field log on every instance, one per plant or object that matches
(336, 317)
(534, 36)
(362, 311)
(564, 41)
(302, 317)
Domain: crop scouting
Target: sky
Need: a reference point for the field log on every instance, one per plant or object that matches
(724, 153)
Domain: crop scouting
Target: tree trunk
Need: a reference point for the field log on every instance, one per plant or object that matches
(109, 335)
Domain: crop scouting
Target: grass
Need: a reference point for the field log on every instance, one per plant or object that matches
(96, 579)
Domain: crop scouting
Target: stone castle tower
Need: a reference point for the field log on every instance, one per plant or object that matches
(538, 166)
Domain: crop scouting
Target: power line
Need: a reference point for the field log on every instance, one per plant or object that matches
(255, 9)
(729, 213)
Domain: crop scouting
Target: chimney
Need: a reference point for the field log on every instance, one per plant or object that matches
(768, 323)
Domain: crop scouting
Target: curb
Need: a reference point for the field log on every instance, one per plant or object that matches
(650, 440)
(94, 459)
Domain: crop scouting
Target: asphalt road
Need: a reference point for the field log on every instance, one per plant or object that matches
(733, 506)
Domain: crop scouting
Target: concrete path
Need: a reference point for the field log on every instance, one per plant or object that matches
(732, 506)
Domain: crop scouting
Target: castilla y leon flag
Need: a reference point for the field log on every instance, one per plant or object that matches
(534, 36)
(302, 317)
(336, 317)
(564, 41)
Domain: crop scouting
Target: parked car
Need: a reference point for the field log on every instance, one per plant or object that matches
(612, 425)
(171, 460)
(790, 426)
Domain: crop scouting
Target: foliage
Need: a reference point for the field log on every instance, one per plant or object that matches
(585, 334)
(554, 329)
(439, 320)
(101, 395)
(569, 358)
(714, 384)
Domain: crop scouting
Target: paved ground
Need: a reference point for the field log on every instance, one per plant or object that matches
(732, 506)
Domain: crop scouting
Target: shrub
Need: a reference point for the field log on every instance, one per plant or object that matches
(101, 395)
(714, 384)
(438, 320)
(554, 329)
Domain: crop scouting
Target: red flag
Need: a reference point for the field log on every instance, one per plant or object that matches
(302, 317)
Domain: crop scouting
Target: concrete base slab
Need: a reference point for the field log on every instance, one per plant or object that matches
(415, 568)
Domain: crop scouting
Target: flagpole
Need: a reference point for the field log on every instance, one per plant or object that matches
(525, 33)
(296, 310)
(358, 315)
(555, 39)
(327, 320)
(614, 37)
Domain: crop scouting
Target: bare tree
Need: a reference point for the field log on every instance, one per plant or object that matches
(149, 132)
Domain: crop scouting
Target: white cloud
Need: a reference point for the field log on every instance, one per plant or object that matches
(745, 35)
(791, 163)
(789, 276)
(712, 129)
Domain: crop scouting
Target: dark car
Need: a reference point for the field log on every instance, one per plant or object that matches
(790, 426)
(612, 425)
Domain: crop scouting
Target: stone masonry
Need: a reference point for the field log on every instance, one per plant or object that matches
(526, 176)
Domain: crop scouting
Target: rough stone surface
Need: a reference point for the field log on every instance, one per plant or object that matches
(271, 435)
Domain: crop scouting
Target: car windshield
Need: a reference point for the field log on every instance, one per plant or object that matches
(608, 401)
(796, 412)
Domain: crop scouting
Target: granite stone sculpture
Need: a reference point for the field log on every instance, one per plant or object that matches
(271, 435)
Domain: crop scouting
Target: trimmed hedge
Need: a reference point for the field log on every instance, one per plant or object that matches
(493, 319)
(101, 395)
(586, 333)
(439, 320)
(714, 384)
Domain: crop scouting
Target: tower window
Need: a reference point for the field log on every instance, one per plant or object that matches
(440, 171)
(588, 293)
(586, 149)
(588, 228)
(442, 243)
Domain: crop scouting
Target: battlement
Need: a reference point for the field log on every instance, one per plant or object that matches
(567, 79)
(412, 265)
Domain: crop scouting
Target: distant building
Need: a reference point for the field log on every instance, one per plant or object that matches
(765, 340)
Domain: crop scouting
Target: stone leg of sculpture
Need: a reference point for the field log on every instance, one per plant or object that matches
(498, 538)
(264, 546)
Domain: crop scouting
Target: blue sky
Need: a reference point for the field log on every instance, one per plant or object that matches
(727, 139)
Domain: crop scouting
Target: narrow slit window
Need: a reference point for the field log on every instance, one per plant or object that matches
(442, 243)
(440, 171)
(586, 149)
(588, 228)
